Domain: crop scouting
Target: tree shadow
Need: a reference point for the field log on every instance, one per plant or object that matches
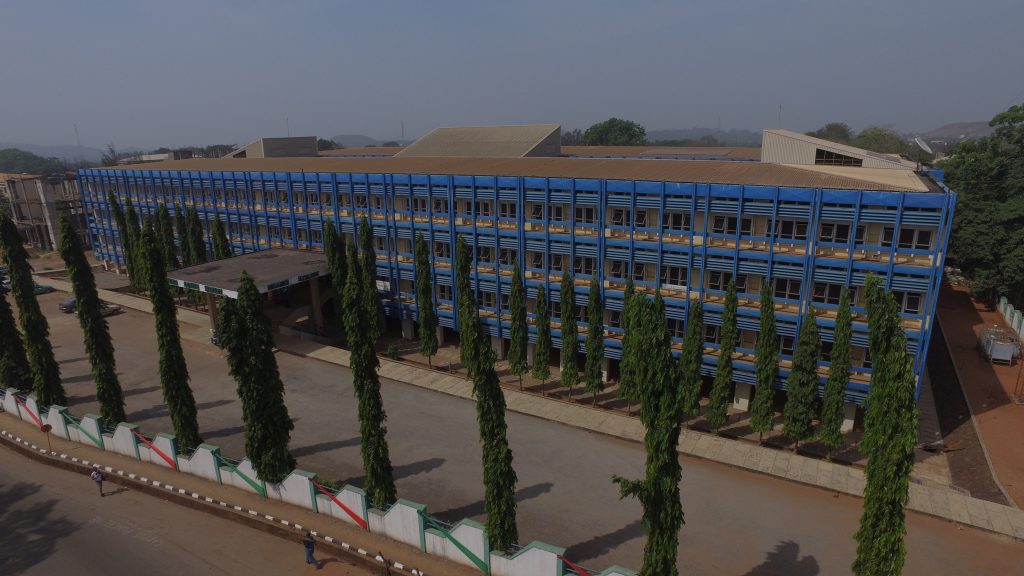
(73, 400)
(223, 432)
(406, 470)
(77, 379)
(601, 545)
(31, 531)
(477, 508)
(160, 410)
(324, 447)
(71, 360)
(785, 560)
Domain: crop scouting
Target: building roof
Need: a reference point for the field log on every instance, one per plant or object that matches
(710, 171)
(365, 151)
(730, 152)
(786, 147)
(488, 142)
(270, 270)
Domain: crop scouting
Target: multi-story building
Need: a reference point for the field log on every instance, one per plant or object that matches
(807, 227)
(37, 202)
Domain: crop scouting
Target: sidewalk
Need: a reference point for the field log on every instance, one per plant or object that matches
(936, 501)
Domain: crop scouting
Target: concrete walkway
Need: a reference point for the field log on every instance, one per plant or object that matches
(936, 501)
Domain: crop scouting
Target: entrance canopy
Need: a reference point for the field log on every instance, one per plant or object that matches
(270, 270)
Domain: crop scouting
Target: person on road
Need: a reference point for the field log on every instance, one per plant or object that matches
(308, 543)
(97, 477)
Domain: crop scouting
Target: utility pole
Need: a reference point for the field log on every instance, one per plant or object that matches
(780, 115)
(287, 126)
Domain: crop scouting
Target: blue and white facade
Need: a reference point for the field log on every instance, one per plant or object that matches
(686, 239)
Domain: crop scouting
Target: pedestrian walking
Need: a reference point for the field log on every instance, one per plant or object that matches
(97, 477)
(308, 543)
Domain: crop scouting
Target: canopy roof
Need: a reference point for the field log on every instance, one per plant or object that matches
(269, 269)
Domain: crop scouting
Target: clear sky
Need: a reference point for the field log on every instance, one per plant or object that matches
(179, 72)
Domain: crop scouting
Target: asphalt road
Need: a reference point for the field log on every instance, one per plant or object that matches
(738, 522)
(53, 521)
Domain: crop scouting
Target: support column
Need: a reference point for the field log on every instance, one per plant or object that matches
(606, 364)
(498, 345)
(211, 305)
(531, 353)
(316, 305)
(849, 415)
(408, 329)
(440, 335)
(741, 400)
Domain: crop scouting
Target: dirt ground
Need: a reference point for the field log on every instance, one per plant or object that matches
(989, 392)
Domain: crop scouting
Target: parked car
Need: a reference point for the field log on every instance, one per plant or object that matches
(109, 309)
(42, 289)
(68, 306)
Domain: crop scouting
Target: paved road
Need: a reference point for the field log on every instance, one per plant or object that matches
(738, 522)
(54, 522)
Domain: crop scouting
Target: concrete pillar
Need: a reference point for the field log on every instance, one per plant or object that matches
(606, 364)
(440, 335)
(316, 305)
(849, 415)
(211, 305)
(498, 345)
(408, 329)
(741, 399)
(531, 353)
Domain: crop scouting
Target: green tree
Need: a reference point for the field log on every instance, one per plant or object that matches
(164, 230)
(835, 132)
(883, 140)
(520, 330)
(426, 315)
(130, 238)
(629, 382)
(334, 251)
(254, 367)
(839, 375)
(327, 144)
(661, 414)
(181, 227)
(374, 321)
(14, 369)
(94, 326)
(219, 238)
(717, 413)
(45, 371)
(802, 384)
(615, 132)
(762, 410)
(16, 161)
(467, 310)
(379, 484)
(195, 238)
(890, 432)
(572, 137)
(592, 373)
(691, 360)
(181, 404)
(570, 372)
(542, 348)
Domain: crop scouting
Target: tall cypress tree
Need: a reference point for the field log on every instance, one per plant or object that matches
(839, 375)
(374, 321)
(762, 411)
(195, 237)
(890, 431)
(219, 238)
(184, 246)
(253, 365)
(542, 349)
(131, 239)
(122, 226)
(181, 404)
(628, 365)
(165, 238)
(661, 414)
(94, 326)
(334, 251)
(14, 370)
(426, 316)
(691, 360)
(142, 263)
(520, 330)
(802, 384)
(468, 312)
(592, 373)
(570, 372)
(717, 413)
(46, 381)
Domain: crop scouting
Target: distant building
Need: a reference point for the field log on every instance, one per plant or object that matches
(159, 157)
(291, 147)
(36, 203)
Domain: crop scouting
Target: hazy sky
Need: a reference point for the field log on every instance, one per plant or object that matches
(178, 72)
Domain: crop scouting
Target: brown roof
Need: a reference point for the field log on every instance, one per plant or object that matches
(513, 141)
(709, 171)
(368, 151)
(737, 152)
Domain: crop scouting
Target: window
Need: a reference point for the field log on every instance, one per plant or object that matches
(484, 254)
(442, 250)
(618, 268)
(504, 300)
(584, 265)
(787, 344)
(674, 276)
(620, 217)
(791, 229)
(908, 302)
(441, 205)
(557, 213)
(727, 224)
(858, 235)
(378, 202)
(825, 293)
(641, 219)
(787, 288)
(676, 221)
(639, 269)
(419, 204)
(558, 262)
(914, 239)
(360, 201)
(536, 260)
(718, 280)
(826, 350)
(487, 299)
(379, 244)
(835, 232)
(676, 327)
(586, 215)
(615, 318)
(508, 256)
(508, 210)
(712, 333)
(887, 236)
(829, 158)
(581, 313)
(537, 212)
(482, 208)
(444, 292)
